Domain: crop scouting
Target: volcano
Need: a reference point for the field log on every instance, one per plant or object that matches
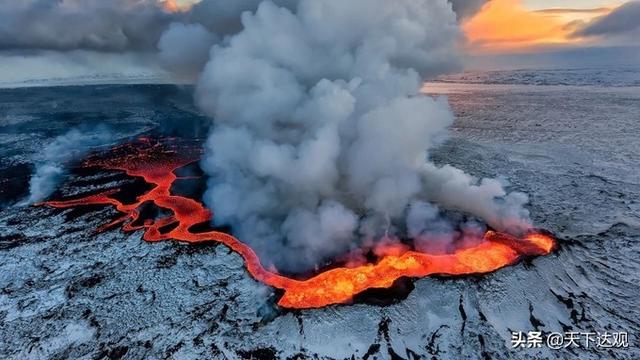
(69, 292)
(157, 161)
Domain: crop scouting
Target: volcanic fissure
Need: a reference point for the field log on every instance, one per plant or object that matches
(157, 164)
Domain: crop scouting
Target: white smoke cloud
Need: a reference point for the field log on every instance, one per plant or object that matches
(184, 49)
(321, 138)
(223, 16)
(621, 20)
(485, 198)
(183, 45)
(50, 163)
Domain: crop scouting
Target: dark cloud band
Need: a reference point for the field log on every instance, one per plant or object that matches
(623, 20)
(109, 26)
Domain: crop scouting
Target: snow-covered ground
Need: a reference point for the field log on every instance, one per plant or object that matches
(68, 293)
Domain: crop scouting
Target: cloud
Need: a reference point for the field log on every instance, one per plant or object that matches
(624, 20)
(184, 46)
(108, 26)
(506, 35)
(223, 16)
(564, 11)
(184, 49)
(467, 8)
(508, 24)
(504, 26)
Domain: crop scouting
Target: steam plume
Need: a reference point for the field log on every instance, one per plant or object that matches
(183, 48)
(321, 137)
(50, 168)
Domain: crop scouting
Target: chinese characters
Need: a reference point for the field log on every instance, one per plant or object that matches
(570, 339)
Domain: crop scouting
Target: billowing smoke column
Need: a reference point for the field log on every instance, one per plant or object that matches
(50, 164)
(321, 138)
(184, 46)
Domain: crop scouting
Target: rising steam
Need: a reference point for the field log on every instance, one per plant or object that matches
(321, 137)
(50, 164)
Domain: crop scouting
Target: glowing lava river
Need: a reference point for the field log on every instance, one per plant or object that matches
(157, 165)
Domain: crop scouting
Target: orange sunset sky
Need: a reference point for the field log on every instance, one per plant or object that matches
(520, 25)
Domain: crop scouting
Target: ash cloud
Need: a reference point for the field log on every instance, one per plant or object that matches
(51, 162)
(321, 137)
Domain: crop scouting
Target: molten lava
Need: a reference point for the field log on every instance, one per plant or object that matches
(156, 164)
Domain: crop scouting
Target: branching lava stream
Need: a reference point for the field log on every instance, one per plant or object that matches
(157, 164)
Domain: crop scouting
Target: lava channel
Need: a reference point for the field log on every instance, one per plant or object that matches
(156, 164)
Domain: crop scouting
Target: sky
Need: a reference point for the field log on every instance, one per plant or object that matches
(510, 34)
(508, 26)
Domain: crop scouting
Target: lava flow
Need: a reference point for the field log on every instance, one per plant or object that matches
(157, 164)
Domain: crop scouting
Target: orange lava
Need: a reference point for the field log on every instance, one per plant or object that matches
(156, 164)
